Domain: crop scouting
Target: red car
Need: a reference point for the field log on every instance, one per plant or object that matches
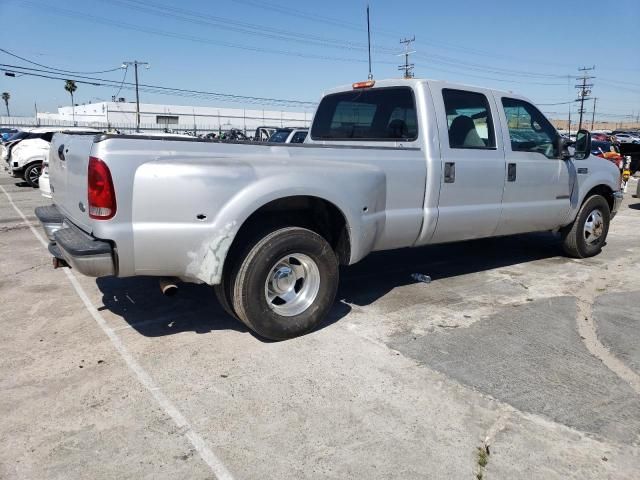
(600, 137)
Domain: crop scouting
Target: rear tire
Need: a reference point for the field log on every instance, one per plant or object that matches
(32, 174)
(224, 298)
(586, 236)
(286, 284)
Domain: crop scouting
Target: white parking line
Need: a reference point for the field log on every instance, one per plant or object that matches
(217, 467)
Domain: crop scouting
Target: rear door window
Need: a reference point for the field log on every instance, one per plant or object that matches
(378, 114)
(468, 120)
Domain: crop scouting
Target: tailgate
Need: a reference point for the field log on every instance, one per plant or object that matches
(68, 163)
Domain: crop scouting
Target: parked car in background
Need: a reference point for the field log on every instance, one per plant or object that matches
(6, 132)
(627, 138)
(263, 134)
(7, 145)
(43, 182)
(387, 164)
(289, 135)
(28, 155)
(600, 137)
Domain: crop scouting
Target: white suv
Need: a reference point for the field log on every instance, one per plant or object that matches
(27, 157)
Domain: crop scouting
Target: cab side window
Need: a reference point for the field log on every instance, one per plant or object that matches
(529, 130)
(469, 120)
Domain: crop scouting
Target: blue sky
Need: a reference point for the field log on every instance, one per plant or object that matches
(294, 50)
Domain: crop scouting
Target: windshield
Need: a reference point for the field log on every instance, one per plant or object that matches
(17, 136)
(280, 136)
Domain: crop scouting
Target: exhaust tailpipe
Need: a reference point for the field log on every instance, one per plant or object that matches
(168, 286)
(59, 263)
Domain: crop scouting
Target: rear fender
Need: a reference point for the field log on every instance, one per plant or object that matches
(361, 202)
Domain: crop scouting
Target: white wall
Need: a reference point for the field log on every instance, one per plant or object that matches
(205, 118)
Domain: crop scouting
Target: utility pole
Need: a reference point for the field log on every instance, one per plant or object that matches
(135, 64)
(569, 127)
(407, 67)
(584, 90)
(593, 114)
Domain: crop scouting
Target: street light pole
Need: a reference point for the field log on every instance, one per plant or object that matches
(135, 64)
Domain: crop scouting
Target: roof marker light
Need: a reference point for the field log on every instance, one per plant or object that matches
(367, 84)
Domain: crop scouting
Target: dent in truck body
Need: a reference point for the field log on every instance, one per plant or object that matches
(208, 262)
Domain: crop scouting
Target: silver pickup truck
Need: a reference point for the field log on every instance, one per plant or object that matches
(387, 164)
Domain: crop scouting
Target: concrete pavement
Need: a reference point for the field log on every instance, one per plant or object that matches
(405, 380)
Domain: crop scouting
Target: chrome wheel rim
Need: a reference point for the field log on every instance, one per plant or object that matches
(292, 284)
(593, 227)
(34, 175)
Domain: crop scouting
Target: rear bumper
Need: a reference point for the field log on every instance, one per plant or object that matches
(89, 255)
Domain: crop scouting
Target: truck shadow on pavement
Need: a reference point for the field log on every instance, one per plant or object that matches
(378, 274)
(194, 308)
(140, 303)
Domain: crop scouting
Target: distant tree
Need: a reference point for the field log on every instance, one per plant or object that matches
(6, 97)
(70, 86)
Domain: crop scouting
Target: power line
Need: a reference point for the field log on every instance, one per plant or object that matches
(126, 69)
(56, 69)
(193, 38)
(154, 88)
(195, 17)
(225, 23)
(253, 29)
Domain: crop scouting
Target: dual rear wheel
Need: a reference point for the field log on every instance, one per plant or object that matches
(282, 285)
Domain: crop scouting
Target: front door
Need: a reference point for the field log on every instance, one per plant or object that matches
(537, 190)
(473, 167)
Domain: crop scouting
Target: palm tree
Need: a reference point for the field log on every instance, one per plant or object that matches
(6, 97)
(70, 86)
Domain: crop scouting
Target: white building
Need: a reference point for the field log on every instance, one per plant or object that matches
(176, 117)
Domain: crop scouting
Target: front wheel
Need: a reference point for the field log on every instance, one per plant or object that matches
(286, 284)
(32, 174)
(586, 236)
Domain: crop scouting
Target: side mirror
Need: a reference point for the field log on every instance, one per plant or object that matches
(563, 144)
(583, 145)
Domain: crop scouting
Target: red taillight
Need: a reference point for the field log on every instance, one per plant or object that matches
(102, 197)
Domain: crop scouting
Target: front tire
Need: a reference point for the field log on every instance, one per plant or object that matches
(586, 236)
(32, 174)
(286, 284)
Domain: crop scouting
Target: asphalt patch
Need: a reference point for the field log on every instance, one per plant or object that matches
(617, 318)
(531, 357)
